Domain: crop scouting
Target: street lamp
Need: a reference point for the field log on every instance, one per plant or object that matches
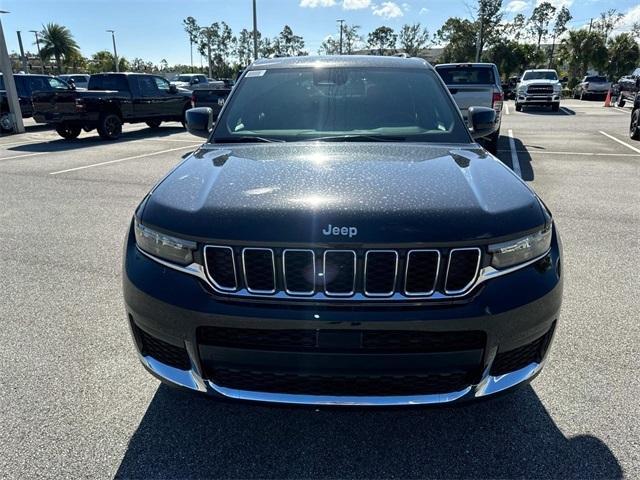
(341, 22)
(15, 114)
(255, 32)
(115, 52)
(35, 32)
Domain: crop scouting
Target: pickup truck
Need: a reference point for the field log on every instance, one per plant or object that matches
(213, 98)
(111, 100)
(628, 87)
(475, 84)
(591, 85)
(26, 85)
(539, 87)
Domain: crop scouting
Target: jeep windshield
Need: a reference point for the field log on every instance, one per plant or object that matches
(340, 104)
(540, 76)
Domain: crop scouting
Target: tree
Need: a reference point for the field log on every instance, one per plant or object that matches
(351, 39)
(512, 57)
(382, 39)
(193, 30)
(539, 21)
(164, 65)
(75, 62)
(460, 38)
(290, 44)
(124, 66)
(244, 47)
(216, 42)
(330, 46)
(515, 29)
(581, 49)
(624, 55)
(413, 39)
(101, 61)
(559, 28)
(488, 26)
(607, 22)
(57, 41)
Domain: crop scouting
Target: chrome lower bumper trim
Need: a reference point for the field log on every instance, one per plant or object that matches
(192, 380)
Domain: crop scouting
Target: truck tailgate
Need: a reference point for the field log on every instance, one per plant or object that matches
(471, 96)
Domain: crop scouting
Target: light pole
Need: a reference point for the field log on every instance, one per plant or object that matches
(115, 52)
(35, 32)
(255, 32)
(25, 64)
(341, 22)
(15, 115)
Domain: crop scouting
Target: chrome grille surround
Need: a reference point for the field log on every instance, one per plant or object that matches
(324, 271)
(395, 274)
(284, 270)
(273, 270)
(406, 273)
(208, 270)
(472, 281)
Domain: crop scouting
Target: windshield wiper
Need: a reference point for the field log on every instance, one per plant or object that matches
(247, 139)
(356, 138)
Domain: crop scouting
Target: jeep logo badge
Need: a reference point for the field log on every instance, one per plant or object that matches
(340, 231)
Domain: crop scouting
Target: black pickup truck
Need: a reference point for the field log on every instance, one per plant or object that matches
(26, 85)
(111, 100)
(213, 98)
(627, 88)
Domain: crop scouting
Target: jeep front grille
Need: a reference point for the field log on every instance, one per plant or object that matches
(322, 274)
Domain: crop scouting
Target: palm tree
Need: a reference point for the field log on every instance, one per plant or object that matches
(58, 42)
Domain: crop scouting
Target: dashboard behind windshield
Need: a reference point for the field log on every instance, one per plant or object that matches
(294, 104)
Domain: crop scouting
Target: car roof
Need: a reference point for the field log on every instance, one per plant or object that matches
(466, 64)
(336, 61)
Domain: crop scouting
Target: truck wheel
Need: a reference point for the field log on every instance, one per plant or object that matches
(109, 126)
(518, 107)
(634, 128)
(620, 102)
(68, 132)
(153, 124)
(555, 107)
(6, 124)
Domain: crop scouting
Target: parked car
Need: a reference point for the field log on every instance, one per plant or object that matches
(634, 127)
(26, 85)
(111, 100)
(509, 88)
(189, 81)
(592, 85)
(80, 80)
(213, 98)
(341, 239)
(539, 87)
(627, 88)
(475, 84)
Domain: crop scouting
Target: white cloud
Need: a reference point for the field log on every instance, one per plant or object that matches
(515, 6)
(423, 11)
(406, 7)
(631, 16)
(317, 3)
(387, 10)
(355, 4)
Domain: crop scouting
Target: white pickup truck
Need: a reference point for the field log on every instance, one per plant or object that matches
(539, 87)
(475, 84)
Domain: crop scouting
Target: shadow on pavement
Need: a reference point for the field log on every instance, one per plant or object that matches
(524, 158)
(92, 139)
(543, 110)
(183, 435)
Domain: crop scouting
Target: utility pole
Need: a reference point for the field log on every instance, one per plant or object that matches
(255, 32)
(340, 48)
(35, 32)
(115, 52)
(590, 25)
(25, 64)
(10, 85)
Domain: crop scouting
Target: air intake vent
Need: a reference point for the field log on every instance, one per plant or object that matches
(339, 272)
(259, 270)
(422, 272)
(221, 267)
(380, 271)
(299, 271)
(462, 270)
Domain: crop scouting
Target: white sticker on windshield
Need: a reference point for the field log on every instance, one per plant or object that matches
(255, 73)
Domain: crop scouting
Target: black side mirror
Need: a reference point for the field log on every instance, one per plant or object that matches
(482, 121)
(199, 121)
(173, 89)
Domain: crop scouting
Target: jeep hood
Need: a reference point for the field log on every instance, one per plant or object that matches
(398, 193)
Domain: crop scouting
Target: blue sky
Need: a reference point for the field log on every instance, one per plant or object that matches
(152, 29)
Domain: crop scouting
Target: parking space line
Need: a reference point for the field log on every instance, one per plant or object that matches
(515, 163)
(14, 157)
(506, 108)
(621, 110)
(620, 141)
(584, 154)
(565, 111)
(124, 159)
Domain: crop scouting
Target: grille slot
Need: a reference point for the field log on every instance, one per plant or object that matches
(380, 272)
(259, 270)
(162, 351)
(462, 269)
(299, 271)
(221, 267)
(339, 270)
(422, 271)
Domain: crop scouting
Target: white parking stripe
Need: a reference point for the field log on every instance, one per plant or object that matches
(582, 154)
(620, 141)
(506, 108)
(22, 156)
(123, 159)
(515, 163)
(565, 111)
(621, 110)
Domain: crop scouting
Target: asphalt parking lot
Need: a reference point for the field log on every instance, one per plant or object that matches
(75, 402)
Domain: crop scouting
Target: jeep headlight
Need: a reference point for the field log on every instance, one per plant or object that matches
(164, 246)
(521, 250)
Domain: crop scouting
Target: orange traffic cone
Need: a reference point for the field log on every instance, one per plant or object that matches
(607, 101)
